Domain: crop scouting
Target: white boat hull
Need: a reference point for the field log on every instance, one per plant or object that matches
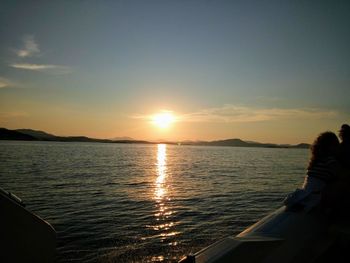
(282, 236)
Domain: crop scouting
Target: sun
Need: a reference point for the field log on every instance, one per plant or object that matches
(163, 120)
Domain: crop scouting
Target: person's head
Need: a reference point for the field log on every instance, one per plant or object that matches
(326, 144)
(344, 132)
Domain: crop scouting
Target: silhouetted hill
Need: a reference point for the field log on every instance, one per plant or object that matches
(301, 145)
(29, 134)
(241, 143)
(228, 142)
(37, 134)
(80, 139)
(44, 136)
(6, 134)
(124, 138)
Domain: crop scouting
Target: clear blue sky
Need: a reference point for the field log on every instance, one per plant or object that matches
(264, 70)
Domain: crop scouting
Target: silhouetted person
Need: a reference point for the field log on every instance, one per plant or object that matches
(323, 169)
(336, 198)
(344, 153)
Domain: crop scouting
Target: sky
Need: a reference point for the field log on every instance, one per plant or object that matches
(268, 71)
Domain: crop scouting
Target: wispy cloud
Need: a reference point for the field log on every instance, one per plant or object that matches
(58, 69)
(30, 47)
(13, 114)
(239, 114)
(232, 113)
(4, 83)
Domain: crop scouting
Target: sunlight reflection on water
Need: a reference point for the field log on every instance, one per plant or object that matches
(161, 173)
(143, 203)
(163, 224)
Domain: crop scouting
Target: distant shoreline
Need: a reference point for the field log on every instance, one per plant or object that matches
(34, 135)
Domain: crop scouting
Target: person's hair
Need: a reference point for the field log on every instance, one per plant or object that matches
(321, 147)
(344, 132)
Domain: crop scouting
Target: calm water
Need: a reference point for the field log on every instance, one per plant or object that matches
(144, 203)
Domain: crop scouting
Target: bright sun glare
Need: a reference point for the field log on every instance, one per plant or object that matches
(163, 120)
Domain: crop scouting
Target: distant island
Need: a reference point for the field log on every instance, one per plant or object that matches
(34, 135)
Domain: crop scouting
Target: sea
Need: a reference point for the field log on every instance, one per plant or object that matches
(112, 202)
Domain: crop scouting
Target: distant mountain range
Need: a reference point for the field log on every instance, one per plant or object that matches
(34, 135)
(122, 138)
(241, 143)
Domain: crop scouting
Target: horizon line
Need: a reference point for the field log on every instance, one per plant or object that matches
(159, 141)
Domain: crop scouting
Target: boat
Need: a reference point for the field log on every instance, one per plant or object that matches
(24, 236)
(288, 235)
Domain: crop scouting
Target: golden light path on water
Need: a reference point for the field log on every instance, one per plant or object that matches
(163, 212)
(161, 172)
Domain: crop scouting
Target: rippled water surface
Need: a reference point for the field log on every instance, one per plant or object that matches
(144, 203)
